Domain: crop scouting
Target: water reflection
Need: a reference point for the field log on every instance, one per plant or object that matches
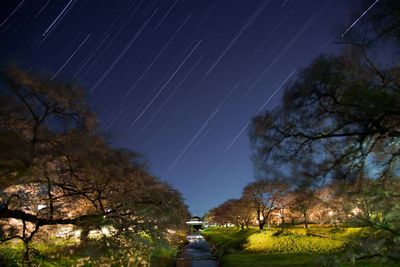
(197, 253)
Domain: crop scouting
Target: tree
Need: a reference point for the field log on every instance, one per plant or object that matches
(240, 212)
(304, 199)
(54, 158)
(220, 215)
(343, 112)
(303, 202)
(283, 209)
(265, 196)
(224, 213)
(234, 211)
(34, 112)
(244, 213)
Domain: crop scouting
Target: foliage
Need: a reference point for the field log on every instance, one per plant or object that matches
(232, 211)
(56, 168)
(266, 197)
(342, 115)
(136, 250)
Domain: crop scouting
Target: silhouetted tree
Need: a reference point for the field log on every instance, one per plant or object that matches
(343, 112)
(340, 112)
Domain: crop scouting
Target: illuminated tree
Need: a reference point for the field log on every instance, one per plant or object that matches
(265, 196)
(304, 202)
(56, 169)
(232, 211)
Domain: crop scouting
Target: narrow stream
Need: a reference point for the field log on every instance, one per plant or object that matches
(197, 253)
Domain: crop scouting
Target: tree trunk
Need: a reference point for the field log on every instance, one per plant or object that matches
(26, 259)
(49, 194)
(85, 234)
(261, 225)
(261, 222)
(305, 220)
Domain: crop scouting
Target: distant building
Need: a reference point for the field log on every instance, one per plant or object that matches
(195, 223)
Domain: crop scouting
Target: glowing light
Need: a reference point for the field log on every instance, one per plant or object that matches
(41, 206)
(356, 211)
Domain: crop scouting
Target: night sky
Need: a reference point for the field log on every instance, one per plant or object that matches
(176, 80)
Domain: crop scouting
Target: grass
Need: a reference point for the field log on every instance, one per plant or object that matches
(291, 243)
(59, 252)
(292, 247)
(54, 252)
(239, 259)
(293, 240)
(228, 239)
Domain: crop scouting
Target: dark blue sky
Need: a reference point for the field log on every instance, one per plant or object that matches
(176, 80)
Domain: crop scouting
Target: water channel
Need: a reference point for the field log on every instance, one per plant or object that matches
(197, 253)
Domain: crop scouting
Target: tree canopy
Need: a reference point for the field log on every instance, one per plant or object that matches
(342, 114)
(56, 168)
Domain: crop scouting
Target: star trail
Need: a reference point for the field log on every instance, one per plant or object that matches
(179, 80)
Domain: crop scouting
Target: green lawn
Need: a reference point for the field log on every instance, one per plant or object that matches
(239, 259)
(292, 247)
(59, 252)
(56, 252)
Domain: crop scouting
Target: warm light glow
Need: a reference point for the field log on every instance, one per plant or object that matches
(105, 231)
(356, 211)
(41, 206)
